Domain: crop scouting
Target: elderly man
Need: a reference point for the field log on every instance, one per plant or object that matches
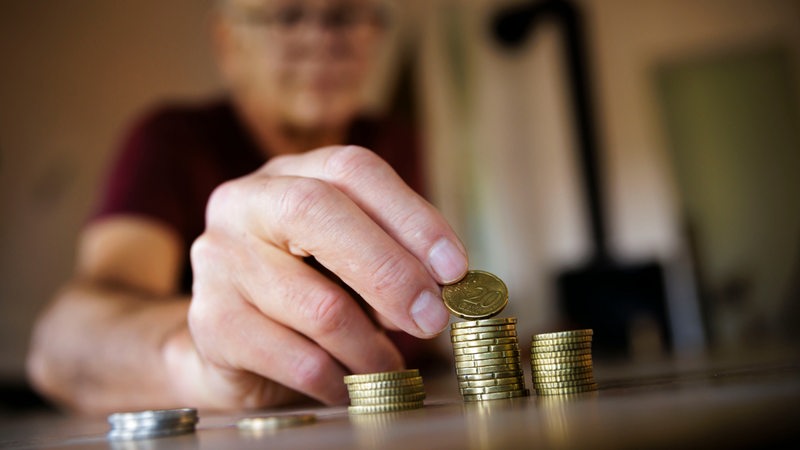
(239, 256)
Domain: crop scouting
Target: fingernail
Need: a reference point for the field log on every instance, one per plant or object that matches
(429, 313)
(447, 260)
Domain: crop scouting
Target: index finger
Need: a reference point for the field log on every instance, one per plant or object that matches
(377, 189)
(385, 241)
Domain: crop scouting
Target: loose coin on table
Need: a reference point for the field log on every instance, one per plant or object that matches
(152, 423)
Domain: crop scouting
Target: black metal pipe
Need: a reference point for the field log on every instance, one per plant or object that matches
(510, 27)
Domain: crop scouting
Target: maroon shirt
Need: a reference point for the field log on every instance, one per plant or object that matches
(176, 155)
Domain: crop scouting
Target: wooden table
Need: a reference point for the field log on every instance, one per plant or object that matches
(700, 404)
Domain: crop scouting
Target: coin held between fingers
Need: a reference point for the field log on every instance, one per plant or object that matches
(479, 295)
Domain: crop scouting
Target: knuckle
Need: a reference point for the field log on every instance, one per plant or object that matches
(328, 312)
(200, 316)
(303, 198)
(220, 198)
(345, 162)
(310, 371)
(204, 253)
(389, 273)
(422, 227)
(207, 256)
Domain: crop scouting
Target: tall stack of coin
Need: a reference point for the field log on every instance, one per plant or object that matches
(561, 362)
(487, 359)
(486, 350)
(385, 391)
(150, 424)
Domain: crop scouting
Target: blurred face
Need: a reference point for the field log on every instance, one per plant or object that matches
(300, 62)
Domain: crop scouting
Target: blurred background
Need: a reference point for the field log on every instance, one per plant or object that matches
(694, 107)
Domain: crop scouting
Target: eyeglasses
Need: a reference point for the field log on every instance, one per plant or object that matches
(289, 19)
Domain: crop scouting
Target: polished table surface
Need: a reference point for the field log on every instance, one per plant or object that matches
(708, 403)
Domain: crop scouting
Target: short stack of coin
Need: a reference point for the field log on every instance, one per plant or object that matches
(561, 362)
(385, 391)
(151, 424)
(487, 359)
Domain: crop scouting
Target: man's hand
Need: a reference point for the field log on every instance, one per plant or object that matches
(262, 320)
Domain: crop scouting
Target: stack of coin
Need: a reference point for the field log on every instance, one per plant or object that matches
(150, 424)
(561, 362)
(385, 391)
(487, 359)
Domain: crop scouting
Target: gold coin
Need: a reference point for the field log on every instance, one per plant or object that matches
(488, 362)
(488, 369)
(508, 365)
(561, 354)
(471, 350)
(562, 335)
(568, 390)
(484, 335)
(485, 342)
(563, 374)
(552, 372)
(511, 381)
(381, 376)
(387, 407)
(490, 375)
(560, 384)
(403, 398)
(484, 322)
(561, 359)
(474, 357)
(413, 381)
(468, 353)
(550, 369)
(485, 329)
(548, 376)
(486, 349)
(275, 422)
(478, 295)
(561, 347)
(491, 382)
(496, 395)
(520, 386)
(565, 341)
(574, 371)
(536, 339)
(556, 363)
(388, 392)
(589, 375)
(572, 368)
(487, 355)
(492, 389)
